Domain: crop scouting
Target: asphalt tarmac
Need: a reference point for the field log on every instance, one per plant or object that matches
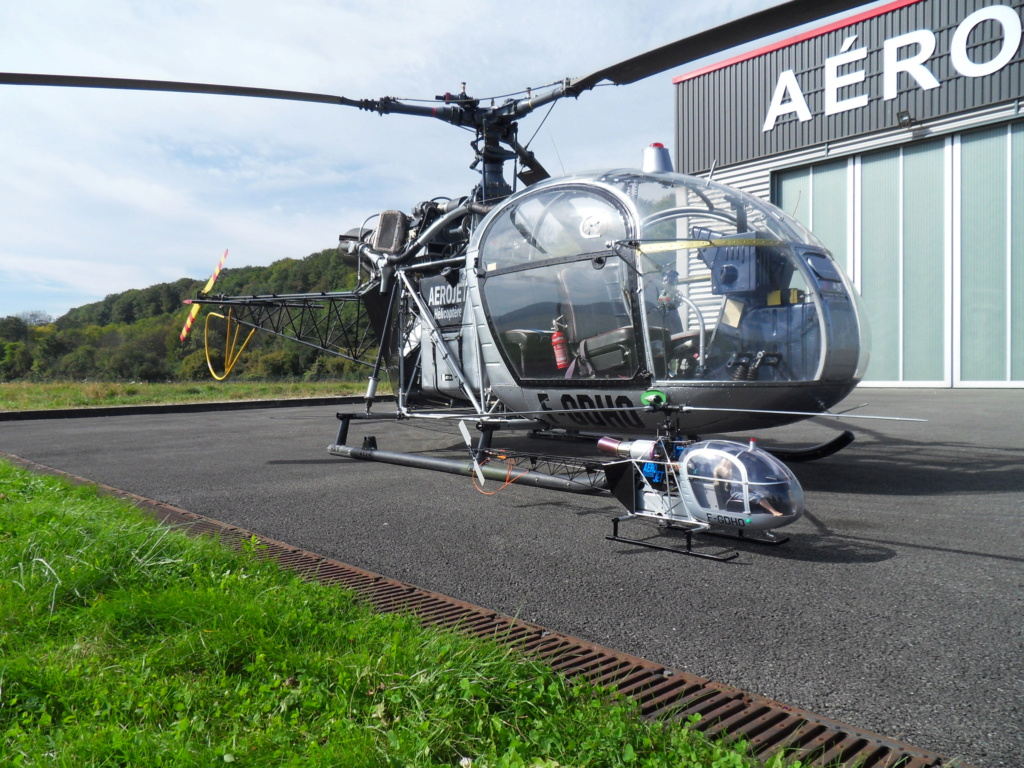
(897, 606)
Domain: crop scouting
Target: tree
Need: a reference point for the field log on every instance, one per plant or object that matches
(35, 317)
(79, 363)
(13, 328)
(15, 360)
(49, 345)
(134, 334)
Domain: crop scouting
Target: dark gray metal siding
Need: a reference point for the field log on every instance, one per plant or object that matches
(720, 114)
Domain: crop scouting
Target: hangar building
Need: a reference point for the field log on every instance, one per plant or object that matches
(897, 135)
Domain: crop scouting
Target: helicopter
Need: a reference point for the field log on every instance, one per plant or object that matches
(625, 302)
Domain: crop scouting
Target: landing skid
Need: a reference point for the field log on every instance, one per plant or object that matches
(769, 539)
(689, 543)
(814, 452)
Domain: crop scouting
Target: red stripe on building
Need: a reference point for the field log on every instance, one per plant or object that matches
(893, 6)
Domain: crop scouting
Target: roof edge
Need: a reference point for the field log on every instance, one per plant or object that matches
(799, 38)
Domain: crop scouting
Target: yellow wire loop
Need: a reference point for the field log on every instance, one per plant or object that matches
(231, 354)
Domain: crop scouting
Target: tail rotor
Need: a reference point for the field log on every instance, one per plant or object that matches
(195, 307)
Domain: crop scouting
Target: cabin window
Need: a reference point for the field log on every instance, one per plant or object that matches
(723, 296)
(557, 297)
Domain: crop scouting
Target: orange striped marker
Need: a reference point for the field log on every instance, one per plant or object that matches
(195, 307)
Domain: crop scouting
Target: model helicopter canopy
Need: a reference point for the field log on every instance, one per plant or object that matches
(732, 477)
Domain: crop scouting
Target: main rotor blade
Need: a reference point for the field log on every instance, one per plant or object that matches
(448, 112)
(71, 81)
(778, 18)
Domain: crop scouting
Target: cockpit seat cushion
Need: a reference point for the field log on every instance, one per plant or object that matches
(536, 355)
(609, 352)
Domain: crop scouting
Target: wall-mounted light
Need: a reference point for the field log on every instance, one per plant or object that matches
(904, 118)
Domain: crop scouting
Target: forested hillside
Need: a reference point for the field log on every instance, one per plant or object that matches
(133, 336)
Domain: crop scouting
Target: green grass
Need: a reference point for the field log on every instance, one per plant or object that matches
(31, 396)
(125, 643)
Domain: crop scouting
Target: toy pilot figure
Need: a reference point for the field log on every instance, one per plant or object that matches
(730, 491)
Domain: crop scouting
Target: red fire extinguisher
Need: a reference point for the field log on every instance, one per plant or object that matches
(560, 345)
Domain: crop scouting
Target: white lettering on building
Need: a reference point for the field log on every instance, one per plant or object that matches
(913, 65)
(787, 98)
(1003, 15)
(842, 75)
(835, 81)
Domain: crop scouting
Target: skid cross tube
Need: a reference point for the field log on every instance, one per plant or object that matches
(689, 543)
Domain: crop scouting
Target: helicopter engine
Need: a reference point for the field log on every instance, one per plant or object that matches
(418, 312)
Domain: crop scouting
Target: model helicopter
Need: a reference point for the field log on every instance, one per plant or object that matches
(627, 302)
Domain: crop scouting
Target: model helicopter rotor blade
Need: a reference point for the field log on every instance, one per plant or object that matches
(770, 21)
(469, 444)
(692, 408)
(809, 414)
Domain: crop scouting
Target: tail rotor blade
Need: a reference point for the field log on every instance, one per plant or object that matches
(188, 322)
(195, 307)
(216, 273)
(469, 443)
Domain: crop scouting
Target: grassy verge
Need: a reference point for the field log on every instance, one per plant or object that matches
(124, 643)
(30, 396)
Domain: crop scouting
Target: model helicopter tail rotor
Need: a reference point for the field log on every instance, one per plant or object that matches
(206, 289)
(469, 443)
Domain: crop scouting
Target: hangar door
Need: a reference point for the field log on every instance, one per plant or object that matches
(932, 233)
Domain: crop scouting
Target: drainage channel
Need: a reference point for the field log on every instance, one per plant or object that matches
(662, 693)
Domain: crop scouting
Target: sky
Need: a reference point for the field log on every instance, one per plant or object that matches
(102, 191)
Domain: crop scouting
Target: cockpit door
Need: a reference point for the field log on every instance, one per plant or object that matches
(559, 300)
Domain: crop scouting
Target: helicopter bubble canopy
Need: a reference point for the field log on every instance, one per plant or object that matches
(726, 476)
(666, 276)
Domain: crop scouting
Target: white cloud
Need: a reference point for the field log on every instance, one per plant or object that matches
(101, 191)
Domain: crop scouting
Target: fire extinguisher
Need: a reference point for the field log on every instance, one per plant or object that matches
(559, 344)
